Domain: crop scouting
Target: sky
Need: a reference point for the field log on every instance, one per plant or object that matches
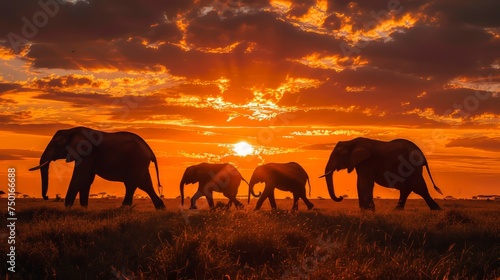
(290, 78)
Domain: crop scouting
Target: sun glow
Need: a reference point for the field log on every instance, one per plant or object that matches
(242, 148)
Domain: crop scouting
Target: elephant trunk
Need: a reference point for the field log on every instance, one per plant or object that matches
(44, 172)
(250, 190)
(182, 191)
(329, 184)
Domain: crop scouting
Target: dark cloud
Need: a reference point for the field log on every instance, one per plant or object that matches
(274, 38)
(328, 146)
(79, 99)
(89, 21)
(480, 143)
(440, 53)
(65, 82)
(300, 7)
(17, 154)
(6, 87)
(258, 49)
(480, 13)
(470, 103)
(46, 129)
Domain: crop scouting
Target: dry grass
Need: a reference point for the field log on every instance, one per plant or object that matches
(335, 240)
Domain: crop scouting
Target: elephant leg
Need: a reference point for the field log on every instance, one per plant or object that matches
(272, 201)
(82, 179)
(70, 196)
(365, 192)
(421, 189)
(147, 186)
(210, 199)
(85, 190)
(261, 200)
(403, 195)
(236, 202)
(129, 193)
(309, 204)
(195, 197)
(295, 206)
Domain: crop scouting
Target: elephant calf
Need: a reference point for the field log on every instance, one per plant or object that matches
(223, 178)
(282, 176)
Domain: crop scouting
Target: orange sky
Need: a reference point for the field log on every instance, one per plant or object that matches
(292, 78)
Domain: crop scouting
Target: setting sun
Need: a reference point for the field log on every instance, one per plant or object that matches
(242, 148)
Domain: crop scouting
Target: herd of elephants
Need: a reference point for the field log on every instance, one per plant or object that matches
(125, 157)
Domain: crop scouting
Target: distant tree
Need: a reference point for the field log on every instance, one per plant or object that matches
(58, 198)
(25, 196)
(345, 196)
(320, 197)
(102, 194)
(18, 194)
(287, 197)
(2, 193)
(93, 195)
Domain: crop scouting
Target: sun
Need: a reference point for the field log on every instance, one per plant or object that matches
(242, 148)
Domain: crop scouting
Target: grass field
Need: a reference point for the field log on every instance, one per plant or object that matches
(333, 241)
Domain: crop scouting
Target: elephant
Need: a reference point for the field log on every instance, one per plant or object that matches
(283, 176)
(222, 177)
(395, 164)
(120, 156)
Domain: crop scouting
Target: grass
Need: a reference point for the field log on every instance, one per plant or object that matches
(335, 240)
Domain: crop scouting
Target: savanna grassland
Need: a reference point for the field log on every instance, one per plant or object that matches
(333, 241)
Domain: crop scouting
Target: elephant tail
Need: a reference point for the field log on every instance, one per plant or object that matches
(250, 191)
(245, 180)
(432, 180)
(309, 183)
(160, 188)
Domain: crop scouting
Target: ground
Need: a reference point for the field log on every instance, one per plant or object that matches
(333, 241)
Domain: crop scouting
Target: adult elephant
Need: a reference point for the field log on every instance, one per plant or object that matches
(210, 177)
(395, 164)
(120, 156)
(282, 176)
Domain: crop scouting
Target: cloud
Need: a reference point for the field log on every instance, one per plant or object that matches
(242, 62)
(481, 143)
(6, 87)
(470, 12)
(18, 154)
(80, 99)
(68, 81)
(328, 146)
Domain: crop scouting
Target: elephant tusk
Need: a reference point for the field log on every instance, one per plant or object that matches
(40, 166)
(327, 173)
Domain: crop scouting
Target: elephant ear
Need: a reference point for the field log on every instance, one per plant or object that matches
(359, 154)
(78, 146)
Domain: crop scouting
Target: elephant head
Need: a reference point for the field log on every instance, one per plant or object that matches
(70, 144)
(191, 176)
(345, 155)
(259, 175)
